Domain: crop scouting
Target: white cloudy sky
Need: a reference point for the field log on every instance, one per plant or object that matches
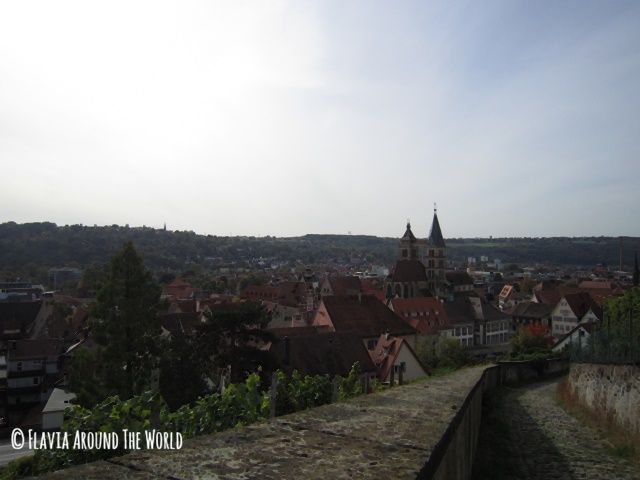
(285, 118)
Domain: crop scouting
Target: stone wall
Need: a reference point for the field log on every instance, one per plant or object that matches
(428, 429)
(610, 391)
(526, 371)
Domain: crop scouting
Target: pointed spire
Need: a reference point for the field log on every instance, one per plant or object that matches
(435, 235)
(636, 272)
(408, 234)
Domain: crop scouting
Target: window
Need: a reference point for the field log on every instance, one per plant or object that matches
(19, 366)
(371, 344)
(36, 380)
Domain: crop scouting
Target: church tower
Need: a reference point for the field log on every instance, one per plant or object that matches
(435, 257)
(408, 246)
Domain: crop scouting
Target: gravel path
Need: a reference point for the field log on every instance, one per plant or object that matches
(532, 437)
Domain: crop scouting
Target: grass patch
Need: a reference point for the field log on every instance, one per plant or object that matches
(18, 468)
(442, 371)
(622, 451)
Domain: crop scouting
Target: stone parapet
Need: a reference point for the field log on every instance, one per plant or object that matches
(427, 429)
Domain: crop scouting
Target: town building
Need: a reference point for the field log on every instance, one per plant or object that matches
(577, 338)
(341, 285)
(313, 353)
(32, 370)
(394, 357)
(435, 257)
(420, 268)
(572, 309)
(426, 314)
(364, 316)
(476, 323)
(408, 279)
(510, 296)
(530, 312)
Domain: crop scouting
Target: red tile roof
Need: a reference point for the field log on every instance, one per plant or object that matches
(548, 297)
(581, 302)
(345, 285)
(425, 314)
(386, 352)
(179, 288)
(588, 284)
(409, 271)
(289, 293)
(366, 316)
(323, 354)
(506, 291)
(532, 310)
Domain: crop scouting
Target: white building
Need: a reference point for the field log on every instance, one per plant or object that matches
(572, 309)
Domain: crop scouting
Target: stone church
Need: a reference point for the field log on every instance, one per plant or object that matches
(420, 268)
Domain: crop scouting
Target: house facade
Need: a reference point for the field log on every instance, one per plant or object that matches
(572, 309)
(393, 355)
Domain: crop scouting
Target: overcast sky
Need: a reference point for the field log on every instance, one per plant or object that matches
(286, 118)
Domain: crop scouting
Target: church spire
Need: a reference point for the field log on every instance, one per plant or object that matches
(408, 234)
(435, 235)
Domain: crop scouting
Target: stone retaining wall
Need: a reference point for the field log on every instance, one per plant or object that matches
(428, 429)
(610, 391)
(526, 371)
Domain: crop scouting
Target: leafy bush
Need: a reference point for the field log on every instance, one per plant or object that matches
(617, 337)
(441, 352)
(350, 386)
(530, 339)
(240, 404)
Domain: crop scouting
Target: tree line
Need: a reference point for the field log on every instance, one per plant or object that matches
(29, 250)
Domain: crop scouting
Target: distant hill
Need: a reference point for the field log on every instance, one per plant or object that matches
(30, 247)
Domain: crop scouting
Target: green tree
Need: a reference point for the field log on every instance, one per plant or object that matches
(451, 353)
(181, 372)
(618, 336)
(85, 377)
(126, 326)
(441, 352)
(231, 336)
(93, 278)
(251, 279)
(426, 350)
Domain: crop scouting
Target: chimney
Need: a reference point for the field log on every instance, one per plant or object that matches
(287, 351)
(620, 269)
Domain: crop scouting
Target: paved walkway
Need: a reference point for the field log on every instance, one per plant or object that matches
(544, 442)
